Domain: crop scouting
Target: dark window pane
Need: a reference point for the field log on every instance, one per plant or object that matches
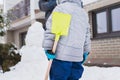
(22, 38)
(116, 19)
(101, 22)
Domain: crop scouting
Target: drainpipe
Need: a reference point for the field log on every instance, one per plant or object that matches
(32, 12)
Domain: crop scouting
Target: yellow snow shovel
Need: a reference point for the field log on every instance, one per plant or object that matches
(60, 27)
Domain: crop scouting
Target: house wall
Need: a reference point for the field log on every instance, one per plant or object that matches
(17, 35)
(10, 36)
(13, 36)
(105, 51)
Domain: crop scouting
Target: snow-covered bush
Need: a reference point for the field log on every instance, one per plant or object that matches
(9, 56)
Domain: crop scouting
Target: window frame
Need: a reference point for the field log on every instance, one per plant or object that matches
(108, 9)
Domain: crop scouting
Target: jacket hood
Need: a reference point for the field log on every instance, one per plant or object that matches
(73, 1)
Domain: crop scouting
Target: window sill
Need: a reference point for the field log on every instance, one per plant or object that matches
(106, 35)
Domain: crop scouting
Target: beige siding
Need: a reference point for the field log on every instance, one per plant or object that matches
(10, 36)
(99, 4)
(14, 36)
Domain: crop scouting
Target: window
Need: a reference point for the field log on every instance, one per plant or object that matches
(115, 19)
(101, 22)
(106, 21)
(22, 38)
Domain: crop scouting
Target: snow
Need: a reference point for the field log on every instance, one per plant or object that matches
(34, 62)
(97, 73)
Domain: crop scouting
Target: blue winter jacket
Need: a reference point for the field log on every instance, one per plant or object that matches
(72, 46)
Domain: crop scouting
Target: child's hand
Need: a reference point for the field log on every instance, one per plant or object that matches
(49, 54)
(85, 56)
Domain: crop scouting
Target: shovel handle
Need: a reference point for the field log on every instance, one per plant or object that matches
(48, 70)
(50, 61)
(54, 46)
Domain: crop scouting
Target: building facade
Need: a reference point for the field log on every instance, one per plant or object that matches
(21, 21)
(104, 18)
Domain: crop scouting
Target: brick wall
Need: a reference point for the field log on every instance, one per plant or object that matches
(105, 51)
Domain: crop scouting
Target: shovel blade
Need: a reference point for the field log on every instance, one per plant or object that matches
(60, 23)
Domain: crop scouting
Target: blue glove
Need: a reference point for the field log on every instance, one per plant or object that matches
(85, 56)
(49, 54)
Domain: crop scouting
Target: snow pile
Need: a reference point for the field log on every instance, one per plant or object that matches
(33, 64)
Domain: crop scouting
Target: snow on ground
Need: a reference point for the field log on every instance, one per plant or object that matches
(34, 62)
(97, 73)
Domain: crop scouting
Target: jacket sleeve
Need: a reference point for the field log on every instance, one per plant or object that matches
(47, 5)
(87, 44)
(48, 36)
